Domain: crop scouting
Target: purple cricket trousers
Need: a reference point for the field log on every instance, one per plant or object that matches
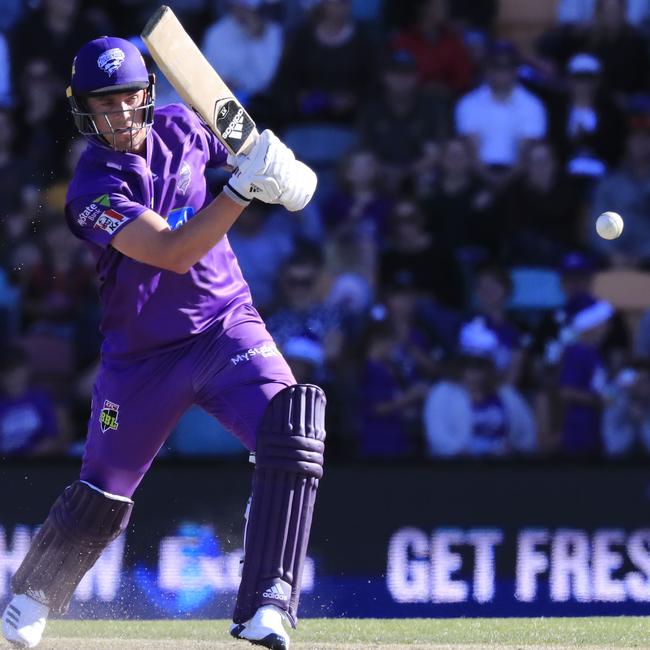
(232, 371)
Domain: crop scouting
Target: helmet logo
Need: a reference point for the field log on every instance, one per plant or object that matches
(111, 60)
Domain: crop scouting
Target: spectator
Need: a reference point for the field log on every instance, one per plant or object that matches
(473, 413)
(443, 61)
(576, 274)
(492, 288)
(360, 202)
(500, 115)
(460, 204)
(393, 380)
(586, 124)
(625, 190)
(419, 257)
(421, 118)
(583, 381)
(626, 417)
(53, 32)
(351, 263)
(245, 47)
(325, 68)
(44, 127)
(301, 310)
(609, 36)
(541, 210)
(28, 417)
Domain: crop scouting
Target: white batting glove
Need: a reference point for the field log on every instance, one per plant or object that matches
(249, 180)
(299, 187)
(296, 183)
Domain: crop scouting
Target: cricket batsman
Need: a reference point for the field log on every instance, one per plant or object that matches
(179, 329)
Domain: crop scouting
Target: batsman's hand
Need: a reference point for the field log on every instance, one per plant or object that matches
(250, 179)
(295, 181)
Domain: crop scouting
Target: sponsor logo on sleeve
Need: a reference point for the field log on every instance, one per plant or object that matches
(109, 221)
(108, 416)
(93, 210)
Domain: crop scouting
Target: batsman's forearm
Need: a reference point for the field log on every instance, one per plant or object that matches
(199, 235)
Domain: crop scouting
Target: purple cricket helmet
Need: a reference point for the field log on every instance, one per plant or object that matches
(103, 66)
(108, 65)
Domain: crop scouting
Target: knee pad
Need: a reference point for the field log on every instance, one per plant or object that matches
(289, 465)
(83, 521)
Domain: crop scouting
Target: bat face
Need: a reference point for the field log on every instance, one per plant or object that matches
(196, 81)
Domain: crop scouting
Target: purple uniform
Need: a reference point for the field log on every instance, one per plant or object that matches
(170, 340)
(582, 369)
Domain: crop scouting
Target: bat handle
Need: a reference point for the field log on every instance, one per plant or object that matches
(252, 139)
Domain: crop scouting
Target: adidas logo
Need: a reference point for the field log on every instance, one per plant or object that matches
(12, 616)
(274, 592)
(235, 128)
(254, 189)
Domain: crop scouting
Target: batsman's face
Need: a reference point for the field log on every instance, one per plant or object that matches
(120, 119)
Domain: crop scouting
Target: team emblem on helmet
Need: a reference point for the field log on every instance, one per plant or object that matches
(111, 60)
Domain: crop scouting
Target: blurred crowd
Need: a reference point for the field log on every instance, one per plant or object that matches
(446, 286)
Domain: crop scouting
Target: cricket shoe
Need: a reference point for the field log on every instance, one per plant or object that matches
(23, 621)
(266, 628)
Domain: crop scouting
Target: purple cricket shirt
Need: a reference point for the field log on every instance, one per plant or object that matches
(146, 309)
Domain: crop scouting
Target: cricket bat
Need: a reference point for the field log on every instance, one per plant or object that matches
(196, 81)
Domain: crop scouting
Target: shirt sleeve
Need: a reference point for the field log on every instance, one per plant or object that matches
(98, 220)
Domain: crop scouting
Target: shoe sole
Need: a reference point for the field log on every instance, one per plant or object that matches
(272, 641)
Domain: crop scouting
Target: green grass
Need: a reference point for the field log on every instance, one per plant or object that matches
(605, 632)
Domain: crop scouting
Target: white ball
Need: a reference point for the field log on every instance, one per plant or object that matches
(609, 225)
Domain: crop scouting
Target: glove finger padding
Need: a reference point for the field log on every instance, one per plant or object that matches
(299, 189)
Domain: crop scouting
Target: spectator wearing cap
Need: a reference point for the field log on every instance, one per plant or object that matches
(583, 381)
(500, 116)
(471, 413)
(443, 61)
(609, 35)
(625, 190)
(586, 124)
(420, 117)
(577, 271)
(245, 46)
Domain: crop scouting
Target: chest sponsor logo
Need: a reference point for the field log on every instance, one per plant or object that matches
(109, 221)
(108, 416)
(184, 177)
(266, 350)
